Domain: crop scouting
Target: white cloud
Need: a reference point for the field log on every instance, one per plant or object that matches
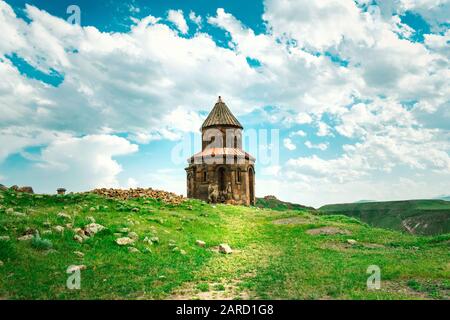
(299, 133)
(197, 19)
(320, 146)
(288, 144)
(177, 18)
(302, 118)
(322, 129)
(84, 163)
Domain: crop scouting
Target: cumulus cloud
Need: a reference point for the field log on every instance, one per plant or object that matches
(320, 146)
(177, 18)
(288, 144)
(84, 163)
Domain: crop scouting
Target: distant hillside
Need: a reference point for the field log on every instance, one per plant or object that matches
(426, 217)
(443, 197)
(271, 202)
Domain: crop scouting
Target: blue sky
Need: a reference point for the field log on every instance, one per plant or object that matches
(357, 93)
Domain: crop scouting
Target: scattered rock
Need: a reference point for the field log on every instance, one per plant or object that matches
(25, 237)
(47, 232)
(154, 239)
(182, 252)
(10, 210)
(91, 219)
(19, 214)
(78, 238)
(124, 241)
(147, 250)
(92, 209)
(133, 235)
(47, 224)
(93, 228)
(4, 238)
(352, 241)
(327, 231)
(26, 189)
(124, 230)
(133, 249)
(293, 220)
(135, 209)
(74, 268)
(64, 215)
(59, 229)
(200, 243)
(1, 263)
(69, 225)
(225, 248)
(167, 197)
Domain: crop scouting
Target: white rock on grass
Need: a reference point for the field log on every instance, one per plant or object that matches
(1, 263)
(59, 229)
(79, 254)
(63, 215)
(200, 243)
(351, 241)
(133, 249)
(154, 239)
(133, 235)
(4, 238)
(93, 228)
(91, 219)
(74, 268)
(78, 238)
(124, 241)
(225, 248)
(25, 237)
(10, 210)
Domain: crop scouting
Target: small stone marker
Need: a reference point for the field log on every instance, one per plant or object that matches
(124, 241)
(200, 243)
(225, 248)
(74, 268)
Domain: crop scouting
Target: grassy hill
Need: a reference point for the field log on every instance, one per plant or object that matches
(271, 202)
(276, 254)
(427, 217)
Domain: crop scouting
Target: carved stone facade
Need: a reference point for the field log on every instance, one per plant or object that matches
(222, 172)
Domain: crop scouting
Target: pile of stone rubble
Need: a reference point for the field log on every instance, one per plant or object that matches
(123, 194)
(26, 189)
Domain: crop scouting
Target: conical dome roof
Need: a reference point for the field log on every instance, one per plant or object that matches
(220, 115)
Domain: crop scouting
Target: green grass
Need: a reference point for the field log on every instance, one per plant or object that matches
(426, 217)
(269, 260)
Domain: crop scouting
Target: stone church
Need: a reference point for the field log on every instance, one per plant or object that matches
(222, 172)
